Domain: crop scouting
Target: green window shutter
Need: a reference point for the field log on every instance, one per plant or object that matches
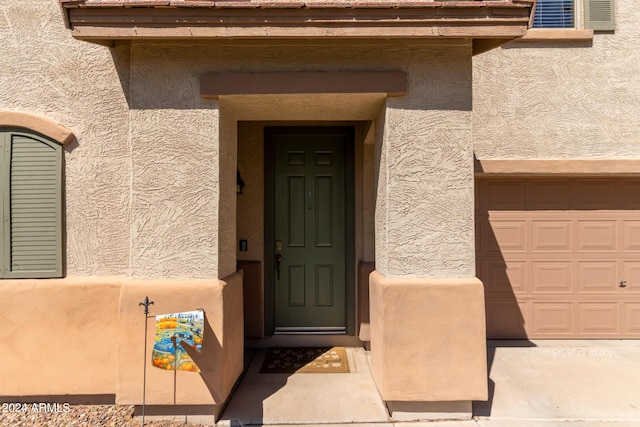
(5, 241)
(33, 206)
(599, 15)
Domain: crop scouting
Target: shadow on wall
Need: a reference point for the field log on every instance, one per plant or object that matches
(537, 44)
(503, 313)
(505, 322)
(206, 359)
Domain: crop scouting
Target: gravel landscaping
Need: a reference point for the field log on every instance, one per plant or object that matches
(79, 416)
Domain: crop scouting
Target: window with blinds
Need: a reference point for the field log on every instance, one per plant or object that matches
(599, 15)
(30, 205)
(554, 14)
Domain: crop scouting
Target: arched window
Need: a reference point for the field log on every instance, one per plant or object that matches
(31, 205)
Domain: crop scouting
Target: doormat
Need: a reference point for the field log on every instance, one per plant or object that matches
(287, 360)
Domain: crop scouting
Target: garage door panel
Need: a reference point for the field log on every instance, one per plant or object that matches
(548, 195)
(598, 319)
(505, 236)
(594, 194)
(631, 274)
(505, 319)
(503, 195)
(597, 277)
(631, 236)
(487, 244)
(628, 195)
(500, 277)
(551, 277)
(632, 320)
(553, 266)
(552, 319)
(551, 236)
(597, 236)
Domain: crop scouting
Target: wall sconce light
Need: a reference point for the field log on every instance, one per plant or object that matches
(239, 185)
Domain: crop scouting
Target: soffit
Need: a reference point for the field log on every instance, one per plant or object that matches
(108, 20)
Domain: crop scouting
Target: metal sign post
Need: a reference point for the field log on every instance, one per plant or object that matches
(146, 303)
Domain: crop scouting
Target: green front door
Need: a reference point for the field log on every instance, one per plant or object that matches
(309, 238)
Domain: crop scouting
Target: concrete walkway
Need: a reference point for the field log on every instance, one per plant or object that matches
(531, 384)
(307, 398)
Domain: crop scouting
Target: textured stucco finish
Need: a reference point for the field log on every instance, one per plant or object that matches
(143, 184)
(183, 200)
(47, 73)
(428, 339)
(174, 194)
(424, 212)
(561, 100)
(58, 336)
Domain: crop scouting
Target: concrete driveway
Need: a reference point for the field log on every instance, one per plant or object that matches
(570, 382)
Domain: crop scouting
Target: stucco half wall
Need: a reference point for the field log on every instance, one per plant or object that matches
(428, 339)
(59, 336)
(85, 337)
(223, 345)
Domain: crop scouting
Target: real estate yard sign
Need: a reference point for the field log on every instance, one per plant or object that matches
(172, 330)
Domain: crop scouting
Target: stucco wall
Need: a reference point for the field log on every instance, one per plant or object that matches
(58, 336)
(84, 336)
(421, 128)
(46, 72)
(250, 223)
(561, 100)
(428, 339)
(150, 184)
(424, 207)
(221, 360)
(175, 170)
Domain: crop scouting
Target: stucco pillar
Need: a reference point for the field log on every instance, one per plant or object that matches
(427, 307)
(183, 204)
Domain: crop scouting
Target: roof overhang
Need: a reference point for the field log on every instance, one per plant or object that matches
(486, 24)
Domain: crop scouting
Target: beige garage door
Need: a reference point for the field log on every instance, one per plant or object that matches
(552, 254)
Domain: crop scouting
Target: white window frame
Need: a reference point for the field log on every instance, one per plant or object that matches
(578, 17)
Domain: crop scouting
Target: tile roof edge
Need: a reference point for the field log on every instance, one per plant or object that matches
(248, 4)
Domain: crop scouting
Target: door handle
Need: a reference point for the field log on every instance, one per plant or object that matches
(623, 283)
(278, 262)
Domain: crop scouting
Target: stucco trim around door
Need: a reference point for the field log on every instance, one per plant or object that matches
(347, 133)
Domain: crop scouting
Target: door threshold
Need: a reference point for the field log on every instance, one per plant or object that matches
(296, 330)
(305, 340)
